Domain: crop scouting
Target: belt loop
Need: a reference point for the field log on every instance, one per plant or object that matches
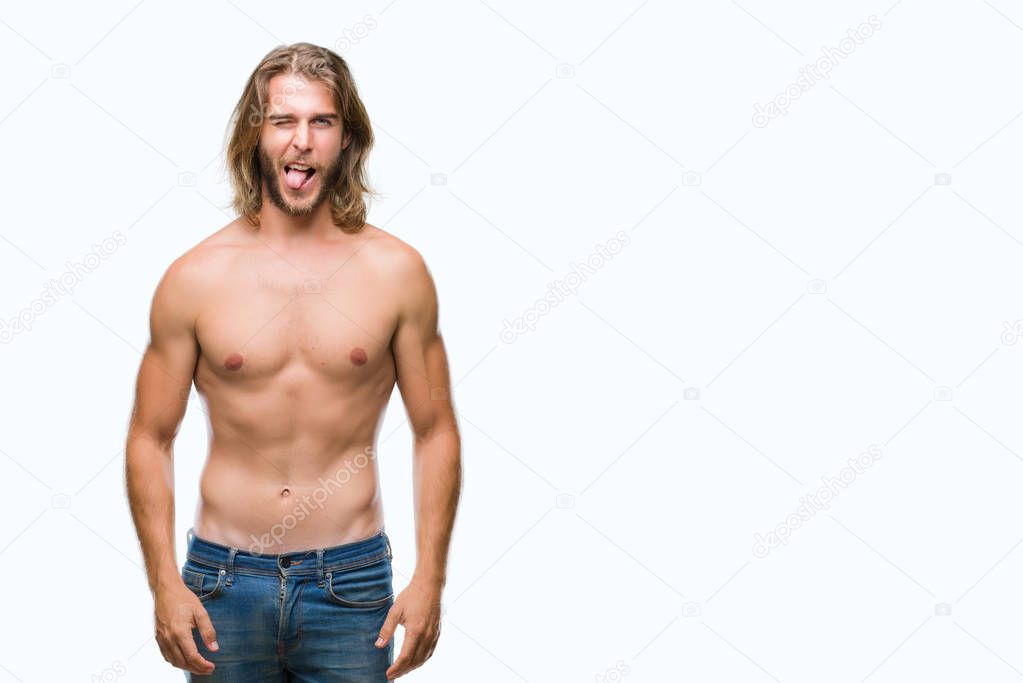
(388, 541)
(319, 567)
(230, 565)
(190, 535)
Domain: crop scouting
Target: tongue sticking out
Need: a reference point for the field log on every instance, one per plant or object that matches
(296, 179)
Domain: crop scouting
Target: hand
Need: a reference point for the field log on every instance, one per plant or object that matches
(178, 611)
(417, 608)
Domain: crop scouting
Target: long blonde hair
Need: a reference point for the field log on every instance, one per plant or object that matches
(347, 203)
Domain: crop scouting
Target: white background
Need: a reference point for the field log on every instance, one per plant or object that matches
(791, 296)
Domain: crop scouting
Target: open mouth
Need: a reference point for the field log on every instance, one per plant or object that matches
(297, 177)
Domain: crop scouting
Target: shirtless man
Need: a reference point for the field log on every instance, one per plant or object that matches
(294, 321)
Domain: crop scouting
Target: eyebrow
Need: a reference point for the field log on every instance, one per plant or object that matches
(333, 117)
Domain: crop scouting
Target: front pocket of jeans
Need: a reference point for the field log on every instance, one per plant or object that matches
(361, 587)
(205, 584)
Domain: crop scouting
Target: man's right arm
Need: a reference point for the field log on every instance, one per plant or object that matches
(161, 396)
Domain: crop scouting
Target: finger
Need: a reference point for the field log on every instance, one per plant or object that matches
(206, 630)
(390, 623)
(193, 661)
(401, 664)
(165, 651)
(421, 653)
(429, 651)
(173, 653)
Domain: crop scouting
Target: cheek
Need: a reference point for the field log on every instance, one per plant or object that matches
(271, 143)
(330, 143)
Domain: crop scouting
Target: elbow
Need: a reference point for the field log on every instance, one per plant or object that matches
(143, 443)
(439, 437)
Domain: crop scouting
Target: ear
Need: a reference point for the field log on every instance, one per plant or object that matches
(346, 140)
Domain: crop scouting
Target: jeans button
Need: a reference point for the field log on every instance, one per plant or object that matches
(285, 562)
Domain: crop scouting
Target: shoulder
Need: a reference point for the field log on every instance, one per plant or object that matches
(409, 281)
(203, 259)
(191, 272)
(398, 260)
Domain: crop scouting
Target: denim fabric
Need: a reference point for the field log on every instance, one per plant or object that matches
(305, 616)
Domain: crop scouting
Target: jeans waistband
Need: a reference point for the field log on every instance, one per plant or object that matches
(312, 562)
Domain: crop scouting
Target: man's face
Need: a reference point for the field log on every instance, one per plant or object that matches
(303, 129)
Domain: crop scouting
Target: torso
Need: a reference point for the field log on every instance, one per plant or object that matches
(295, 369)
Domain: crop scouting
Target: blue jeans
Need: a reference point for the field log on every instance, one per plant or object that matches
(307, 616)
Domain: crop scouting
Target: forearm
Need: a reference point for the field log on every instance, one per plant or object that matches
(437, 485)
(149, 474)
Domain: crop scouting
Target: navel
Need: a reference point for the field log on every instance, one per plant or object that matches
(234, 361)
(358, 356)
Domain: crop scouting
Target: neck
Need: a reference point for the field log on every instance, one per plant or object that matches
(277, 225)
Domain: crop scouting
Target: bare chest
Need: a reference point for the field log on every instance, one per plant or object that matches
(260, 323)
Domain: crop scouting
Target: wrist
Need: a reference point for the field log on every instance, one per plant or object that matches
(431, 580)
(165, 579)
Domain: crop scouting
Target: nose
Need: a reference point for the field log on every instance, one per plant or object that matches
(301, 139)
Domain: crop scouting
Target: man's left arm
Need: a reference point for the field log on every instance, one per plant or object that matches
(424, 384)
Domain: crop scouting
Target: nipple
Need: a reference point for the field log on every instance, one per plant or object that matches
(358, 356)
(234, 361)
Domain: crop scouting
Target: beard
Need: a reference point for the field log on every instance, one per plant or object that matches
(302, 207)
